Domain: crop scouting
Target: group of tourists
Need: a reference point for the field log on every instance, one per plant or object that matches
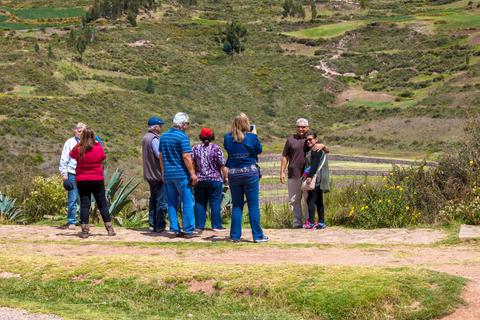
(190, 179)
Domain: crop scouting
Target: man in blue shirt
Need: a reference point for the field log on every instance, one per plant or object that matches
(179, 174)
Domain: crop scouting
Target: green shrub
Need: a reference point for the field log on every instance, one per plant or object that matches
(376, 206)
(276, 217)
(47, 198)
(465, 211)
(69, 71)
(419, 194)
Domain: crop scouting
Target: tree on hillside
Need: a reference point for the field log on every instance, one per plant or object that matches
(37, 47)
(234, 37)
(80, 39)
(188, 2)
(293, 9)
(313, 8)
(150, 88)
(115, 9)
(51, 55)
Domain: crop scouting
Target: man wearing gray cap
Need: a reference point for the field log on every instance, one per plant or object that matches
(157, 206)
(294, 155)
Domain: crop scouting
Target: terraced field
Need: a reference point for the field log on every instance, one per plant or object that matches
(35, 18)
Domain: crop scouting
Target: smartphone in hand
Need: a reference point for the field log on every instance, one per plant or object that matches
(253, 128)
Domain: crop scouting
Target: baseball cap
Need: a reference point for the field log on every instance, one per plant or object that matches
(302, 122)
(206, 133)
(153, 121)
(180, 118)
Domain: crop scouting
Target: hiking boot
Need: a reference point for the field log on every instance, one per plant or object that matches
(222, 229)
(320, 226)
(308, 225)
(85, 231)
(262, 240)
(109, 227)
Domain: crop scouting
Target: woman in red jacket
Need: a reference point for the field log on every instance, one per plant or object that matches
(89, 155)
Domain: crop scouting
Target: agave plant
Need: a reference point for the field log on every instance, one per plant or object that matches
(8, 210)
(117, 193)
(226, 202)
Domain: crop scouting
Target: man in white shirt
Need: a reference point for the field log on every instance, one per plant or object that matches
(67, 170)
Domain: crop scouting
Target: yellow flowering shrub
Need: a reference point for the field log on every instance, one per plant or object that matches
(46, 198)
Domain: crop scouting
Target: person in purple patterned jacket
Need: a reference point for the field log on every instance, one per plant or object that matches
(211, 172)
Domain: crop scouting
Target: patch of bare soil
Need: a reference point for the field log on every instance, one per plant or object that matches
(475, 39)
(205, 286)
(8, 275)
(421, 27)
(298, 49)
(360, 94)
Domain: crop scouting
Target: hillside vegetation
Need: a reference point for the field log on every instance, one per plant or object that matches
(384, 75)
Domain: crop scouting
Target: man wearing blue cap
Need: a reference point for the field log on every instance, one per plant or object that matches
(157, 206)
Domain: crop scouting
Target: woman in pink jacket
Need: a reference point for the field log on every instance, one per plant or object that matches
(89, 155)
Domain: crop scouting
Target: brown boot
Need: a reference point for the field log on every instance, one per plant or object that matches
(85, 231)
(109, 227)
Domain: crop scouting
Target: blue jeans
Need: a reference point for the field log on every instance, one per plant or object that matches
(176, 190)
(205, 192)
(72, 201)
(157, 205)
(241, 186)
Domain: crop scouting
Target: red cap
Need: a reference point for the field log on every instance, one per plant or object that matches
(206, 133)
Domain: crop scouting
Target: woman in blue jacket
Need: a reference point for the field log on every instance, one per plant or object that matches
(243, 175)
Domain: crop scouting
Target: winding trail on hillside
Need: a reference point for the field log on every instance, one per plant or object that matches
(335, 246)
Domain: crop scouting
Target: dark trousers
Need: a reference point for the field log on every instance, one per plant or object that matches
(85, 191)
(157, 205)
(208, 191)
(315, 200)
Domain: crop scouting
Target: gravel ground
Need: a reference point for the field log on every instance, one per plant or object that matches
(18, 314)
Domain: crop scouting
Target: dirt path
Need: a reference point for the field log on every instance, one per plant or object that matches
(342, 247)
(333, 235)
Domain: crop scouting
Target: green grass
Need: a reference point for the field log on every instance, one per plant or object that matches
(325, 31)
(453, 21)
(23, 90)
(208, 22)
(370, 104)
(3, 18)
(127, 287)
(46, 13)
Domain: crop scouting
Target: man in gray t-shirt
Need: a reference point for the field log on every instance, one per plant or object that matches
(294, 155)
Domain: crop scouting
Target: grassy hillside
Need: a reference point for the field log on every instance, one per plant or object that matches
(408, 64)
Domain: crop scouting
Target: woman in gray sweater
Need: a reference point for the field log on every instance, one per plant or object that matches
(316, 167)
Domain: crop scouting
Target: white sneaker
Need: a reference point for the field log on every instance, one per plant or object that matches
(264, 239)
